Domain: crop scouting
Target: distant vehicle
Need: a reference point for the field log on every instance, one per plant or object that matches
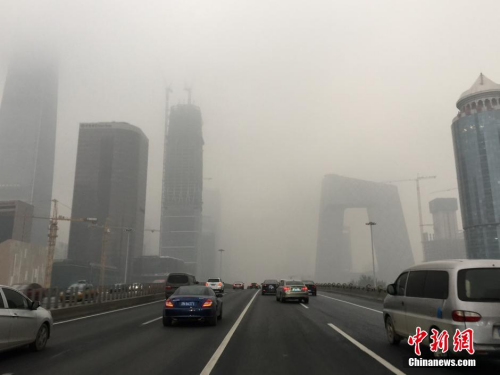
(216, 284)
(239, 285)
(81, 290)
(135, 287)
(311, 287)
(193, 303)
(292, 290)
(270, 286)
(175, 280)
(447, 295)
(253, 286)
(117, 288)
(22, 321)
(33, 291)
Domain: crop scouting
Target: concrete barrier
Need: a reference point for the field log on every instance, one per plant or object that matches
(78, 311)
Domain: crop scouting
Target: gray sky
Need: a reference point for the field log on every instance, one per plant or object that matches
(289, 91)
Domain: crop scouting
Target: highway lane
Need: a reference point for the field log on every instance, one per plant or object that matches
(120, 343)
(272, 338)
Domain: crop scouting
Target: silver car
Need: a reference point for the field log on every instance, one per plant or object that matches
(22, 321)
(292, 290)
(447, 295)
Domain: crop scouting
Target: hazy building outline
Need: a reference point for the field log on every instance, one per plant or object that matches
(393, 251)
(476, 143)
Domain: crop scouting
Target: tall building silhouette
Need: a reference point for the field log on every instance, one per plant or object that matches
(476, 143)
(182, 185)
(28, 116)
(110, 183)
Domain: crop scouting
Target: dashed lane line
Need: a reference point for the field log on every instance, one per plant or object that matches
(350, 303)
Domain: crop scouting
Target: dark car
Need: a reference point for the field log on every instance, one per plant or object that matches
(311, 287)
(253, 286)
(33, 291)
(79, 291)
(269, 286)
(193, 303)
(175, 280)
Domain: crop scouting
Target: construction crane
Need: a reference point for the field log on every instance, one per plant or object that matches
(417, 181)
(53, 227)
(442, 191)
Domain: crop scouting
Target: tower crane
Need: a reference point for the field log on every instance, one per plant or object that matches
(419, 200)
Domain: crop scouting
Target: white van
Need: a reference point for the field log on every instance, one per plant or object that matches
(447, 295)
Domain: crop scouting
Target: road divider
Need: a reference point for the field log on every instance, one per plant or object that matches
(368, 351)
(304, 306)
(151, 321)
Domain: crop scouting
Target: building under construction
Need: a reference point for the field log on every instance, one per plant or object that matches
(182, 185)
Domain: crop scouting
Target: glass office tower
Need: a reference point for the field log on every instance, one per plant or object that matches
(476, 140)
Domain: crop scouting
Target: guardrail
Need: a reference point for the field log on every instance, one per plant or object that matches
(367, 291)
(55, 298)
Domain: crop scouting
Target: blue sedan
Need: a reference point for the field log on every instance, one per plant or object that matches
(193, 303)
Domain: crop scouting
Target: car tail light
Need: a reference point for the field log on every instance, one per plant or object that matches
(264, 285)
(465, 316)
(206, 284)
(304, 288)
(286, 288)
(207, 303)
(169, 303)
(220, 284)
(168, 287)
(313, 286)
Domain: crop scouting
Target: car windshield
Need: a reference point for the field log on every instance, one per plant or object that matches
(178, 279)
(213, 280)
(479, 285)
(192, 290)
(308, 281)
(271, 282)
(294, 283)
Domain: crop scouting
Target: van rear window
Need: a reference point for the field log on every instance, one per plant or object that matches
(479, 284)
(178, 279)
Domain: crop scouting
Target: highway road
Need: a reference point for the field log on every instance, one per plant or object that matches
(333, 334)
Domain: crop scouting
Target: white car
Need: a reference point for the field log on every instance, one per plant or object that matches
(22, 321)
(216, 284)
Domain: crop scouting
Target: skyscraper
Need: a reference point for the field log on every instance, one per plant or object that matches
(110, 183)
(182, 185)
(28, 116)
(477, 156)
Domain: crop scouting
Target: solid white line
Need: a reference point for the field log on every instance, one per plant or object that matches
(151, 321)
(350, 303)
(368, 351)
(107, 312)
(304, 306)
(213, 361)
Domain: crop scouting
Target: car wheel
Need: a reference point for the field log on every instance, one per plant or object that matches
(212, 321)
(41, 338)
(392, 336)
(314, 294)
(167, 322)
(306, 300)
(220, 315)
(277, 299)
(282, 299)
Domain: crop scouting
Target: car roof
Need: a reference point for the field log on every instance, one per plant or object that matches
(456, 264)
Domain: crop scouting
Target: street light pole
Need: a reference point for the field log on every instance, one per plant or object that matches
(128, 230)
(371, 224)
(220, 266)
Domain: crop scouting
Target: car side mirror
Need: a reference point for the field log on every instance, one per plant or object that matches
(219, 295)
(35, 305)
(391, 290)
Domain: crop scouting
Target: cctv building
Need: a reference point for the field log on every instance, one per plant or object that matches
(28, 116)
(182, 186)
(390, 236)
(476, 141)
(110, 185)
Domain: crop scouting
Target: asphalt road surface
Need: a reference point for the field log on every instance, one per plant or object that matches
(333, 334)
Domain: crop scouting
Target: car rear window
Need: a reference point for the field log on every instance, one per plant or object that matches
(178, 279)
(213, 280)
(308, 282)
(479, 284)
(294, 282)
(193, 290)
(271, 282)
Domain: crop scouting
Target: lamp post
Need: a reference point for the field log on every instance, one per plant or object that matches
(220, 265)
(371, 224)
(128, 230)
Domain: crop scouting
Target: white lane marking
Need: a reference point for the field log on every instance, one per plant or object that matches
(368, 351)
(350, 303)
(304, 306)
(151, 321)
(107, 312)
(213, 361)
